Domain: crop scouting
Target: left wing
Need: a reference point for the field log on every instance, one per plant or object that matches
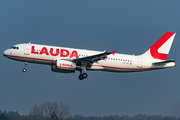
(93, 58)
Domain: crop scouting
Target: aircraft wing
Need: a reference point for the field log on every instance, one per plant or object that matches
(93, 58)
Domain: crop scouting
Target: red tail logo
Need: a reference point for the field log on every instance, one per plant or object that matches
(154, 49)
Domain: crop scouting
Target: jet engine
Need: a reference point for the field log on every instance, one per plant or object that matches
(63, 66)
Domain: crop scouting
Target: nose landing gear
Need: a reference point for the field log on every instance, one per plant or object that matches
(24, 70)
(25, 65)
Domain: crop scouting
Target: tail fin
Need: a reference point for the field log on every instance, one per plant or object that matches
(160, 49)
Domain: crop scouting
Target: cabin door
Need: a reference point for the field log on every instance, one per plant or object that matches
(27, 50)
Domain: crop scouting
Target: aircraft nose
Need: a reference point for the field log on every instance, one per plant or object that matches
(5, 53)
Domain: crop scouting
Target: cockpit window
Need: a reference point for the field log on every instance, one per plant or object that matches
(17, 48)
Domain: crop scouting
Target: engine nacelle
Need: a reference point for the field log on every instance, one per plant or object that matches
(64, 66)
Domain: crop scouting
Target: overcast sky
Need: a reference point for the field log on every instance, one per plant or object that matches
(128, 26)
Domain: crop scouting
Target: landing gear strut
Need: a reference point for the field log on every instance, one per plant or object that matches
(83, 76)
(25, 65)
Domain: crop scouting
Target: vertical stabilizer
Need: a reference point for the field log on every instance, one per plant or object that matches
(160, 49)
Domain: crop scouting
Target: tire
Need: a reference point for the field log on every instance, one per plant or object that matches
(24, 70)
(85, 75)
(81, 77)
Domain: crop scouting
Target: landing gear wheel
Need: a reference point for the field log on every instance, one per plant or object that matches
(24, 70)
(85, 75)
(81, 77)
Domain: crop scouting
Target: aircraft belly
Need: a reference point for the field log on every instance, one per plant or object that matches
(115, 67)
(31, 59)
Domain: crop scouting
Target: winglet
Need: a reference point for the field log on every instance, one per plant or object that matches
(113, 52)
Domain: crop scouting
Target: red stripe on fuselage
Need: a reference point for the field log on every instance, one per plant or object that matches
(118, 68)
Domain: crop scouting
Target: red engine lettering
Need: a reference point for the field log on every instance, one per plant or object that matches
(65, 64)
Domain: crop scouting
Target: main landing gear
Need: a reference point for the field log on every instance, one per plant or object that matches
(25, 66)
(83, 76)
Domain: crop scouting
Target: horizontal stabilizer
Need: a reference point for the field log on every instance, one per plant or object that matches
(163, 62)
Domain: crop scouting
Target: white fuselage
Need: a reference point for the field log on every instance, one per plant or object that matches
(44, 54)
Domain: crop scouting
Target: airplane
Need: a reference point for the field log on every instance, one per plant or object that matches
(68, 60)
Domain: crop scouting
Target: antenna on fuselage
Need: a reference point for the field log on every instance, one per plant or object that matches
(30, 42)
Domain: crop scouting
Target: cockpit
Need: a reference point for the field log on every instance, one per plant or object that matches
(16, 48)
